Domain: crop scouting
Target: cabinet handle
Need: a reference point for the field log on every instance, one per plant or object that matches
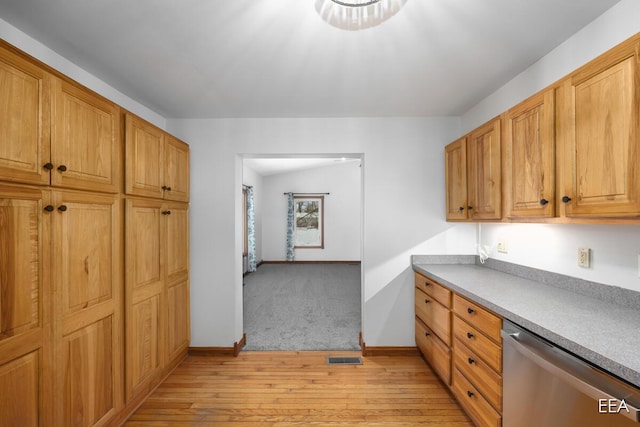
(49, 208)
(470, 310)
(426, 284)
(469, 335)
(566, 199)
(62, 168)
(426, 301)
(166, 212)
(469, 207)
(164, 187)
(461, 208)
(469, 393)
(62, 208)
(543, 202)
(471, 361)
(426, 334)
(48, 166)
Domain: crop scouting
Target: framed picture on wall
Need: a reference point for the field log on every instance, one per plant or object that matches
(309, 222)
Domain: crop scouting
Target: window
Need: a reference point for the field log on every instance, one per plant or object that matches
(309, 222)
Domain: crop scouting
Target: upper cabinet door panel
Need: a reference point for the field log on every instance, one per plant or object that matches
(484, 171)
(529, 157)
(85, 149)
(456, 179)
(25, 92)
(600, 116)
(177, 170)
(145, 158)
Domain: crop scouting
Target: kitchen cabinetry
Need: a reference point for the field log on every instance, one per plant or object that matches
(599, 135)
(157, 290)
(529, 157)
(461, 341)
(456, 179)
(157, 163)
(433, 325)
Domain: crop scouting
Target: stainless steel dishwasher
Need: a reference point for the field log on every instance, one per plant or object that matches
(545, 386)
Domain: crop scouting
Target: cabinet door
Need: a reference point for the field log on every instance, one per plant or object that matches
(86, 243)
(25, 92)
(529, 157)
(483, 157)
(85, 147)
(599, 114)
(144, 294)
(145, 158)
(177, 170)
(456, 179)
(177, 225)
(25, 308)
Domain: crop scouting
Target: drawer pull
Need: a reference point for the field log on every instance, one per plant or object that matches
(49, 208)
(471, 361)
(470, 310)
(470, 335)
(426, 301)
(469, 393)
(426, 284)
(426, 334)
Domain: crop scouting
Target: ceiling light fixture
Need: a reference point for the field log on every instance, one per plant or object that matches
(357, 14)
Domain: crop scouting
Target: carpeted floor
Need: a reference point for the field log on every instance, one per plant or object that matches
(302, 307)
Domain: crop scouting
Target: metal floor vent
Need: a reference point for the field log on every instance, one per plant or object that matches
(337, 360)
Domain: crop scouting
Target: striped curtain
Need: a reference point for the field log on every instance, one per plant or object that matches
(251, 232)
(290, 219)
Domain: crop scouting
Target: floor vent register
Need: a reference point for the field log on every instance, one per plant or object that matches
(336, 360)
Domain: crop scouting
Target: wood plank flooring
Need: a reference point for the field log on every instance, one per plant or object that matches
(298, 388)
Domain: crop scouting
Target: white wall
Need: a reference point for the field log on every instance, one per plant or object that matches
(342, 208)
(41, 52)
(554, 247)
(255, 180)
(403, 211)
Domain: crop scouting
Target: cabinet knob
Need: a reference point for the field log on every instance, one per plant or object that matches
(48, 166)
(470, 310)
(426, 284)
(62, 208)
(469, 207)
(461, 208)
(165, 188)
(566, 199)
(426, 334)
(470, 335)
(543, 202)
(471, 361)
(469, 393)
(62, 168)
(166, 212)
(426, 301)
(49, 208)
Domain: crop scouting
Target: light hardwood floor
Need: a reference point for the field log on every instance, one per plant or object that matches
(298, 388)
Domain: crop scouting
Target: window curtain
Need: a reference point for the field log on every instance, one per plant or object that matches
(290, 219)
(251, 232)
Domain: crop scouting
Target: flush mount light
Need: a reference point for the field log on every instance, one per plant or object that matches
(357, 14)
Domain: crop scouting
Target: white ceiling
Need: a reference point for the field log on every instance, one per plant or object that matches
(278, 58)
(266, 166)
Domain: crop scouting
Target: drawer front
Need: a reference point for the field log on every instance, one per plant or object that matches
(477, 342)
(435, 351)
(434, 289)
(476, 406)
(485, 379)
(478, 316)
(434, 315)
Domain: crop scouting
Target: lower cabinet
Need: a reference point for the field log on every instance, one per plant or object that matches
(471, 365)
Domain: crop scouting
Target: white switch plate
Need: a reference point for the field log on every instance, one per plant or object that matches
(503, 246)
(584, 258)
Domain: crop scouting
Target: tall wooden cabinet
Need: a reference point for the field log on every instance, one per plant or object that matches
(456, 179)
(68, 329)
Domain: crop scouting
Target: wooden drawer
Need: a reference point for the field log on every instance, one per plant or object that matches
(483, 377)
(476, 406)
(435, 351)
(477, 342)
(434, 289)
(478, 316)
(436, 316)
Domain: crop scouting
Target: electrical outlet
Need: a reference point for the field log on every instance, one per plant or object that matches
(503, 246)
(584, 258)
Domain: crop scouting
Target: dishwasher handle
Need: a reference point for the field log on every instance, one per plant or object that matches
(543, 360)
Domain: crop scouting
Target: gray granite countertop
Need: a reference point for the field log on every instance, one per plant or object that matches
(604, 333)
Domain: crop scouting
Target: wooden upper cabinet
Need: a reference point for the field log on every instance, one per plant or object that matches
(85, 147)
(157, 164)
(25, 98)
(456, 179)
(528, 144)
(484, 180)
(598, 129)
